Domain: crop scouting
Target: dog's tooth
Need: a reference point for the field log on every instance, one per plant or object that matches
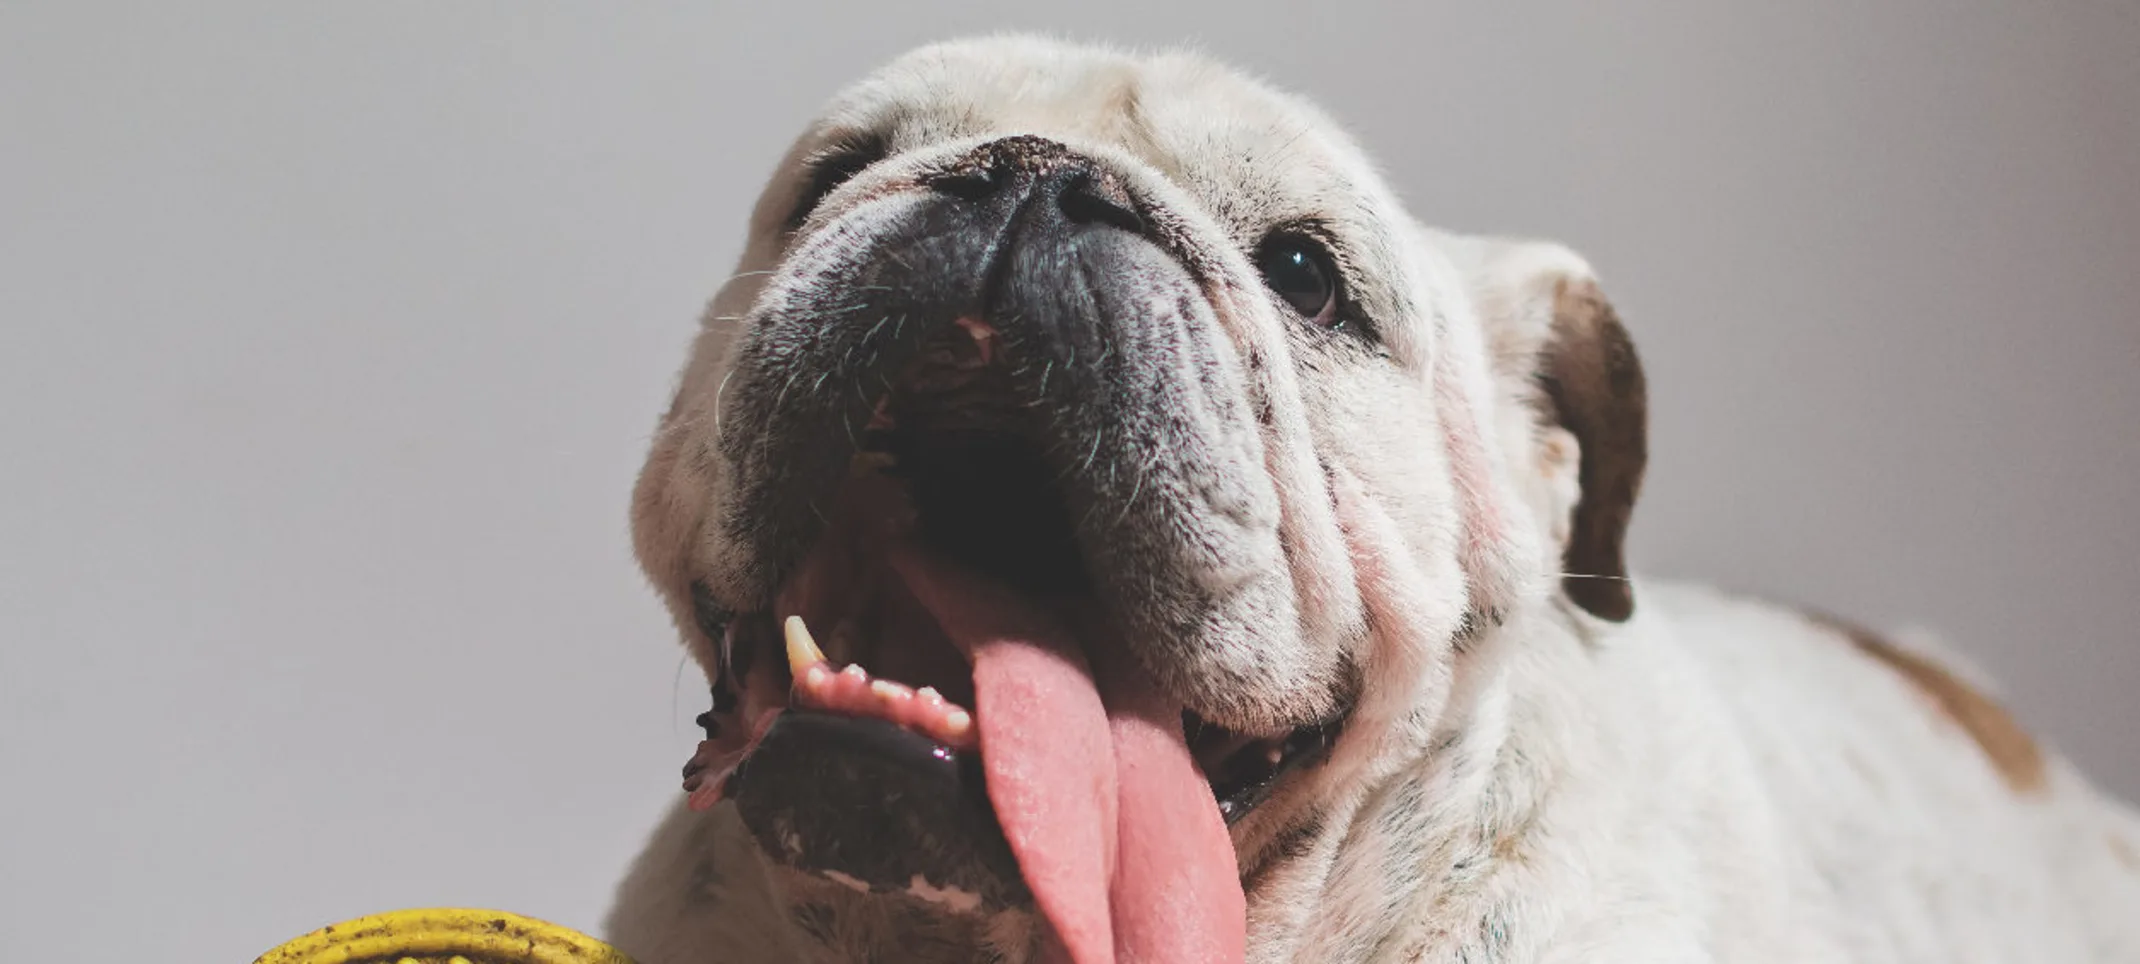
(958, 723)
(889, 690)
(855, 671)
(929, 695)
(802, 649)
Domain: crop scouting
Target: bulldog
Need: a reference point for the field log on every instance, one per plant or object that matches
(1114, 530)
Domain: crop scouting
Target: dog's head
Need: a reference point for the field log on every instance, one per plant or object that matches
(1116, 400)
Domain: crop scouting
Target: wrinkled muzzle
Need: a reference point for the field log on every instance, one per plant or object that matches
(988, 442)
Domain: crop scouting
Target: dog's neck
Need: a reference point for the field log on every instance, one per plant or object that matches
(1465, 805)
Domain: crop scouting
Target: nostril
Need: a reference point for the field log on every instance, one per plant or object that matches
(967, 184)
(1090, 200)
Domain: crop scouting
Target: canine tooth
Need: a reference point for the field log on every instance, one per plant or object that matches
(802, 650)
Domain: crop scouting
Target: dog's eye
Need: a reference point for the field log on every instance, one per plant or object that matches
(1298, 269)
(834, 166)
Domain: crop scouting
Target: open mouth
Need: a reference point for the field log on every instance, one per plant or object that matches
(938, 674)
(947, 471)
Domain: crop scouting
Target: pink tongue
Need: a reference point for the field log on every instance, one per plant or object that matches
(1111, 822)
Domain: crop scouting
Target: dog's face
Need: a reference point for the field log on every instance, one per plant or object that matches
(1106, 396)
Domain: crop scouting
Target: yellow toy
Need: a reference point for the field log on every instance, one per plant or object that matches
(444, 935)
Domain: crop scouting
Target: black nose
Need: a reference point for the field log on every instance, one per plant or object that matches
(1044, 177)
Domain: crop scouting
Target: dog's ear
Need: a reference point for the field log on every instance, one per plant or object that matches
(1589, 371)
(1572, 379)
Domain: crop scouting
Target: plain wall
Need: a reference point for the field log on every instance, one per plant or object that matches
(331, 337)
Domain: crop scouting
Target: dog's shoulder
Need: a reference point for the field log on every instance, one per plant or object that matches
(1815, 670)
(1921, 809)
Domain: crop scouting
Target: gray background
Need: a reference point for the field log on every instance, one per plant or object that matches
(331, 337)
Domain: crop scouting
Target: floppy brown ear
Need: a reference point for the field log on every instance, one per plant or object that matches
(1589, 372)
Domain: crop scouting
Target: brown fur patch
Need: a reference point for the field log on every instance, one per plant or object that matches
(2122, 849)
(1590, 372)
(2009, 748)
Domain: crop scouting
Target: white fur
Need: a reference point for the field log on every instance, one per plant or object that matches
(1715, 780)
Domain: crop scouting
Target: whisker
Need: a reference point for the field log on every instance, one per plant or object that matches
(871, 335)
(738, 276)
(674, 682)
(1089, 456)
(717, 393)
(1136, 490)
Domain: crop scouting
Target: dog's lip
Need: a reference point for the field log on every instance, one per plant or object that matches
(1245, 777)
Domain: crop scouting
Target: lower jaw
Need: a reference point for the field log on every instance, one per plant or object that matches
(861, 802)
(879, 809)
